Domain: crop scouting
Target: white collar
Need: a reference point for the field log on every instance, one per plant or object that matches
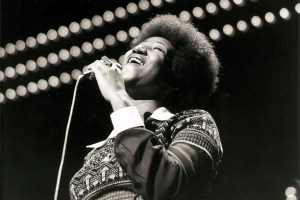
(160, 114)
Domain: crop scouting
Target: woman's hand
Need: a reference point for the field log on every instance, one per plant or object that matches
(111, 84)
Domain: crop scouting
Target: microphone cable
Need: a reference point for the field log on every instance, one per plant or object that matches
(66, 138)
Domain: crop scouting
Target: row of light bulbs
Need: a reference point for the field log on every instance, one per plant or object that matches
(77, 28)
(98, 43)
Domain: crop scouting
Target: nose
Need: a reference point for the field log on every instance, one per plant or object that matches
(140, 49)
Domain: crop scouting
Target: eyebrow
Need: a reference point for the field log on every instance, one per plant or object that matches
(158, 41)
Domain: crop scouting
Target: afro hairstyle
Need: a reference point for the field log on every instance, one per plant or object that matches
(195, 66)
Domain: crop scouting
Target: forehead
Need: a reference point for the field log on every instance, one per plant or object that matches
(160, 40)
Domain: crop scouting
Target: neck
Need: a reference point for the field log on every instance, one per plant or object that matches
(146, 106)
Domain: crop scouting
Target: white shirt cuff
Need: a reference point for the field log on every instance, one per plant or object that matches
(126, 118)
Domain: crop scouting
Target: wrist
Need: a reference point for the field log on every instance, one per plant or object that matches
(120, 100)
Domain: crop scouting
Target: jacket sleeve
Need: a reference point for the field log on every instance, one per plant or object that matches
(160, 173)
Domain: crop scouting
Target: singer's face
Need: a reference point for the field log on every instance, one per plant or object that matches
(142, 66)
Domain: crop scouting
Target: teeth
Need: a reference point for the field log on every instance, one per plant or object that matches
(136, 60)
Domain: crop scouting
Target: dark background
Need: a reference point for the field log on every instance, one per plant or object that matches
(256, 106)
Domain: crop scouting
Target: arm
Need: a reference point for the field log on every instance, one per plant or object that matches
(160, 173)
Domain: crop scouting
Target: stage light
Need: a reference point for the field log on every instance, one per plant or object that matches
(33, 88)
(43, 85)
(134, 32)
(185, 15)
(270, 18)
(122, 36)
(228, 30)
(11, 94)
(121, 13)
(75, 52)
(53, 59)
(63, 32)
(2, 52)
(212, 8)
(10, 48)
(75, 73)
(99, 44)
(225, 4)
(85, 68)
(170, 1)
(198, 13)
(97, 21)
(54, 82)
(86, 24)
(132, 8)
(285, 14)
(110, 40)
(121, 59)
(31, 42)
(157, 3)
(22, 91)
(52, 35)
(256, 22)
(215, 34)
(242, 26)
(10, 72)
(2, 98)
(144, 5)
(20, 45)
(2, 77)
(21, 69)
(290, 191)
(87, 48)
(42, 39)
(64, 55)
(65, 78)
(74, 27)
(297, 8)
(291, 198)
(42, 62)
(239, 2)
(109, 16)
(31, 66)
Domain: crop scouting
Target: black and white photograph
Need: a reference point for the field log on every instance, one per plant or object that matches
(149, 100)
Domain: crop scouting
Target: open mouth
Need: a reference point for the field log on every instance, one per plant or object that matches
(136, 60)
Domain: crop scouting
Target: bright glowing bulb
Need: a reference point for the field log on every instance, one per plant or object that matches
(270, 18)
(239, 2)
(99, 44)
(65, 78)
(256, 21)
(134, 32)
(185, 16)
(110, 40)
(289, 191)
(122, 36)
(10, 48)
(42, 62)
(170, 1)
(215, 34)
(121, 59)
(54, 82)
(31, 66)
(88, 48)
(75, 52)
(10, 72)
(132, 8)
(228, 30)
(21, 69)
(97, 21)
(144, 5)
(225, 4)
(2, 52)
(43, 85)
(22, 91)
(75, 28)
(121, 13)
(52, 35)
(297, 8)
(75, 74)
(64, 32)
(86, 24)
(64, 55)
(2, 77)
(2, 98)
(212, 8)
(109, 16)
(11, 94)
(242, 26)
(20, 45)
(285, 14)
(198, 13)
(157, 3)
(33, 88)
(53, 59)
(31, 42)
(42, 39)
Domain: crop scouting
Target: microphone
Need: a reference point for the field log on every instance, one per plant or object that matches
(91, 75)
